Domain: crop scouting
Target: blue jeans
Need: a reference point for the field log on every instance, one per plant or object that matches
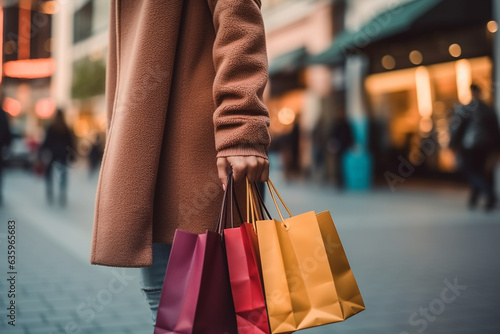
(152, 277)
(61, 170)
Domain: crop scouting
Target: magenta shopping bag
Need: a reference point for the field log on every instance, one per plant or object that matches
(244, 273)
(196, 296)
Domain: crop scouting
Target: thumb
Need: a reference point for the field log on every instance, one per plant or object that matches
(222, 168)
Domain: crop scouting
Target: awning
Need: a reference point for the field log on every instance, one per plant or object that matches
(391, 22)
(288, 62)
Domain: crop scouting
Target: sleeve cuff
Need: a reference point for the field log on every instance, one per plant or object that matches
(243, 150)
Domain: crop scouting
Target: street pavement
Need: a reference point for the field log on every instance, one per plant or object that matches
(423, 262)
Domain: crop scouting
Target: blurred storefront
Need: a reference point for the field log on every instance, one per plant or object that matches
(54, 56)
(414, 62)
(299, 96)
(27, 65)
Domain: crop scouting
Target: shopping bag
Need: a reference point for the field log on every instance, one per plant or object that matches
(196, 294)
(307, 279)
(244, 273)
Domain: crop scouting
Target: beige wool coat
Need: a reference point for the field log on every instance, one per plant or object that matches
(184, 86)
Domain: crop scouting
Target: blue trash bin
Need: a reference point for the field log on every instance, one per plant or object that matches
(357, 169)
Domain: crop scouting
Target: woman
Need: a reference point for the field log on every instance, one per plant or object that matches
(184, 100)
(56, 152)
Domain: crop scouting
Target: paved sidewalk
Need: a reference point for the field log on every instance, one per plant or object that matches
(57, 290)
(405, 249)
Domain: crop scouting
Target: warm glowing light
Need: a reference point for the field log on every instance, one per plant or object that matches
(49, 7)
(425, 124)
(45, 107)
(23, 47)
(443, 135)
(455, 50)
(286, 116)
(393, 81)
(464, 80)
(416, 57)
(388, 62)
(424, 95)
(81, 127)
(11, 106)
(447, 160)
(30, 68)
(492, 26)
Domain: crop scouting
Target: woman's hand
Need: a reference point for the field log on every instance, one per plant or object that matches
(256, 169)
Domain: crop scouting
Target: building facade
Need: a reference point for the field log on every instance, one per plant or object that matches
(299, 95)
(54, 56)
(416, 61)
(397, 69)
(27, 64)
(80, 53)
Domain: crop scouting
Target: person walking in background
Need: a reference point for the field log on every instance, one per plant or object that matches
(5, 139)
(476, 140)
(184, 87)
(56, 152)
(340, 141)
(319, 138)
(95, 153)
(292, 152)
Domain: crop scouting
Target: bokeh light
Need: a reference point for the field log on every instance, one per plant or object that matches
(492, 26)
(416, 57)
(286, 116)
(455, 50)
(45, 107)
(388, 62)
(11, 106)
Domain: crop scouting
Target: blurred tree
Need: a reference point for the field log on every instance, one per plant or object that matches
(89, 78)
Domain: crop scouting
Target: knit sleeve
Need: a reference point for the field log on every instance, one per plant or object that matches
(241, 119)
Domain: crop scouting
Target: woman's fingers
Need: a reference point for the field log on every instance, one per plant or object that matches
(222, 169)
(264, 176)
(253, 167)
(240, 166)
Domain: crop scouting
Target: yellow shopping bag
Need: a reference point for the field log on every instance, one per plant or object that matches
(307, 279)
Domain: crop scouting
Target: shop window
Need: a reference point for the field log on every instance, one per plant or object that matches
(82, 25)
(410, 118)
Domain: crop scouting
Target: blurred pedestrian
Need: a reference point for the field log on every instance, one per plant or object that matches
(56, 152)
(185, 81)
(319, 137)
(95, 153)
(291, 151)
(341, 139)
(476, 139)
(5, 139)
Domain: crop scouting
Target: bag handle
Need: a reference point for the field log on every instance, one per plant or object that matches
(223, 209)
(250, 207)
(261, 207)
(248, 203)
(235, 200)
(229, 195)
(252, 214)
(256, 208)
(271, 187)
